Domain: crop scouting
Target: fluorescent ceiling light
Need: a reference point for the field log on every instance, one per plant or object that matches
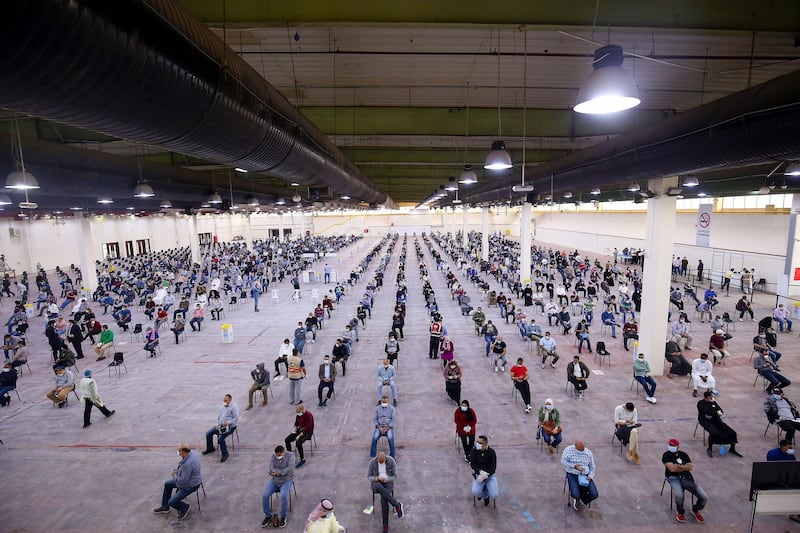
(243, 171)
(690, 181)
(345, 197)
(105, 201)
(568, 194)
(634, 187)
(596, 191)
(793, 169)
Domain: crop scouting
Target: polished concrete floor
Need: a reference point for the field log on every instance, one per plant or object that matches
(60, 477)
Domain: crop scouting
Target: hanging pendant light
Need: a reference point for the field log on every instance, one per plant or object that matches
(165, 204)
(143, 190)
(214, 198)
(609, 88)
(793, 169)
(20, 179)
(498, 158)
(451, 184)
(468, 176)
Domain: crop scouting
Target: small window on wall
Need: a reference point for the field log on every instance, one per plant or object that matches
(128, 248)
(287, 232)
(142, 246)
(111, 250)
(204, 239)
(274, 233)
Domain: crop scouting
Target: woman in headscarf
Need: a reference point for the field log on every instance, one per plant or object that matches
(466, 420)
(322, 520)
(447, 348)
(550, 425)
(452, 380)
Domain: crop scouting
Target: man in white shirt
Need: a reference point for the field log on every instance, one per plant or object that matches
(284, 351)
(681, 335)
(547, 348)
(701, 374)
(626, 420)
(781, 316)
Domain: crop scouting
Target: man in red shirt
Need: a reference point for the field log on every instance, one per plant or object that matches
(519, 375)
(716, 344)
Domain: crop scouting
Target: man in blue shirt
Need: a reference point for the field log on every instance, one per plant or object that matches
(185, 479)
(784, 452)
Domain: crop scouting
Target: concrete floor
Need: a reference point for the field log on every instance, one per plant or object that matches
(109, 477)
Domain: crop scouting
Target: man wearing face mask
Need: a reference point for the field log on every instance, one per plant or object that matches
(626, 420)
(681, 335)
(281, 479)
(701, 374)
(384, 426)
(391, 348)
(767, 368)
(186, 479)
(8, 382)
(303, 431)
(678, 472)
(641, 373)
(760, 345)
(782, 411)
(284, 351)
(386, 375)
(519, 377)
(466, 420)
(227, 421)
(327, 377)
(483, 461)
(784, 451)
(709, 415)
(381, 474)
(260, 382)
(547, 348)
(452, 380)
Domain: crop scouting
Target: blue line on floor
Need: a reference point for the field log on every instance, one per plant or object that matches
(531, 520)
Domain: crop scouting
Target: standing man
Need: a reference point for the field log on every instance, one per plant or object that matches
(255, 294)
(281, 479)
(91, 398)
(75, 337)
(483, 462)
(386, 376)
(297, 373)
(327, 377)
(260, 382)
(186, 479)
(384, 426)
(519, 376)
(65, 383)
(578, 462)
(227, 421)
(381, 474)
(326, 271)
(678, 472)
(436, 332)
(626, 420)
(303, 431)
(300, 337)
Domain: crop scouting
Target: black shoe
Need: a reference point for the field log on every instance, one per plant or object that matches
(223, 458)
(184, 514)
(210, 450)
(709, 452)
(111, 413)
(395, 402)
(161, 510)
(282, 522)
(486, 502)
(87, 425)
(266, 521)
(61, 404)
(736, 453)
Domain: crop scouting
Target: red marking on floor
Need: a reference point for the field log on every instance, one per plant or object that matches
(221, 362)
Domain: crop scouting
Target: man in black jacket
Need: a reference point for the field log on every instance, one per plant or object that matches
(483, 462)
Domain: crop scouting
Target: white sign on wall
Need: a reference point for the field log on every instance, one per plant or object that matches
(703, 236)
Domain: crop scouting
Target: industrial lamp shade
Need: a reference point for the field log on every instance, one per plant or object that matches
(214, 198)
(609, 88)
(468, 177)
(165, 204)
(793, 169)
(498, 158)
(21, 180)
(253, 202)
(5, 199)
(143, 190)
(451, 184)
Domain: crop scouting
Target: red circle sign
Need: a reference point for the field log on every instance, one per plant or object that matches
(705, 220)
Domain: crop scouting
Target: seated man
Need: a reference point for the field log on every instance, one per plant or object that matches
(227, 420)
(8, 382)
(781, 316)
(327, 379)
(626, 422)
(784, 452)
(709, 415)
(761, 345)
(382, 472)
(386, 374)
(679, 365)
(704, 309)
(519, 377)
(478, 318)
(630, 330)
(680, 333)
(551, 309)
(678, 473)
(578, 462)
(676, 299)
(65, 383)
(550, 425)
(769, 370)
(608, 318)
(641, 373)
(499, 359)
(489, 332)
(124, 318)
(384, 426)
(21, 353)
(281, 479)
(151, 341)
(582, 334)
(565, 320)
(701, 374)
(483, 462)
(710, 296)
(547, 348)
(782, 411)
(178, 327)
(534, 332)
(198, 315)
(161, 317)
(716, 345)
(106, 340)
(260, 378)
(341, 354)
(302, 432)
(186, 479)
(577, 374)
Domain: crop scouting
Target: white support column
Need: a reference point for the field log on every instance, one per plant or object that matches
(658, 246)
(525, 243)
(86, 252)
(787, 285)
(464, 218)
(485, 233)
(248, 232)
(194, 239)
(280, 227)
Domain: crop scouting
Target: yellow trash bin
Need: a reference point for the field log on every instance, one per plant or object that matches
(227, 333)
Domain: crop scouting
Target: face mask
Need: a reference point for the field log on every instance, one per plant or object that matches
(279, 457)
(327, 361)
(681, 321)
(464, 408)
(548, 407)
(384, 404)
(6, 370)
(776, 397)
(790, 451)
(478, 446)
(672, 449)
(328, 515)
(301, 414)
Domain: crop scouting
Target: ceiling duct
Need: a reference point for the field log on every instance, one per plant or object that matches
(149, 72)
(757, 125)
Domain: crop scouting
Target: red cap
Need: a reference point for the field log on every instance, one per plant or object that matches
(674, 442)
